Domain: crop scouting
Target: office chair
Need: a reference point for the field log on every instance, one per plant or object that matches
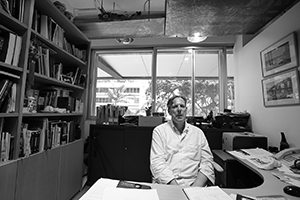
(218, 171)
(217, 167)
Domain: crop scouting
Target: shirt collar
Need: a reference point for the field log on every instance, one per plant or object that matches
(185, 130)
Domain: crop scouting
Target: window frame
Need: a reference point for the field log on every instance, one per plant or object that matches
(222, 72)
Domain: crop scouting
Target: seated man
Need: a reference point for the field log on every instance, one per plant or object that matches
(180, 154)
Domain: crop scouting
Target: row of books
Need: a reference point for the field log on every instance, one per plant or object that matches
(6, 143)
(14, 8)
(43, 134)
(46, 65)
(48, 28)
(6, 146)
(10, 46)
(8, 92)
(59, 99)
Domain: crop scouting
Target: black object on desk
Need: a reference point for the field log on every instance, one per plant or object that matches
(126, 184)
(292, 190)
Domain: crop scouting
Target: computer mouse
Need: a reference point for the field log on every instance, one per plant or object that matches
(292, 190)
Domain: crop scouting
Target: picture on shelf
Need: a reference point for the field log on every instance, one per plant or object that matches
(67, 79)
(280, 56)
(281, 89)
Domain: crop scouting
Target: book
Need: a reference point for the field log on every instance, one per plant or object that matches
(5, 146)
(4, 43)
(1, 128)
(11, 107)
(44, 26)
(5, 102)
(21, 10)
(207, 193)
(11, 48)
(17, 50)
(5, 90)
(77, 76)
(4, 5)
(43, 135)
(3, 85)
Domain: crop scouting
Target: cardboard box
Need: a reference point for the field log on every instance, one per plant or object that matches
(149, 121)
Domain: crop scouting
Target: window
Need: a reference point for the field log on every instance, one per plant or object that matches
(124, 77)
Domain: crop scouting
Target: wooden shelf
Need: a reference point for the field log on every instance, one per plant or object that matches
(54, 173)
(73, 34)
(64, 56)
(49, 115)
(10, 115)
(12, 23)
(41, 79)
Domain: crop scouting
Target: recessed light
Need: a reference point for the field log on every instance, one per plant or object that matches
(125, 40)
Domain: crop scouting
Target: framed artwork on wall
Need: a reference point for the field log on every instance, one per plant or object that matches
(279, 56)
(281, 89)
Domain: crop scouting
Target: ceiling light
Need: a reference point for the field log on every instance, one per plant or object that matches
(125, 40)
(196, 38)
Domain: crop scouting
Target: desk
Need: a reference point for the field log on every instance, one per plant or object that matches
(270, 186)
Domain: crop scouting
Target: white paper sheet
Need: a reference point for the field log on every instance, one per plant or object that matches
(207, 193)
(129, 194)
(96, 191)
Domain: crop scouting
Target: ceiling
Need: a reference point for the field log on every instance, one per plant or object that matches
(176, 18)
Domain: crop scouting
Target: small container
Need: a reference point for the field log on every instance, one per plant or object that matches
(283, 143)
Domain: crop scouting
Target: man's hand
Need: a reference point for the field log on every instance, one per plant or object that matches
(200, 181)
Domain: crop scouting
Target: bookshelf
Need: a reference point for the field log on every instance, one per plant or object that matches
(58, 71)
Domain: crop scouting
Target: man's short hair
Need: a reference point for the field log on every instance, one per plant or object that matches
(170, 101)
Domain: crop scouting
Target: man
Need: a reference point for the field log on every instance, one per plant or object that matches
(180, 154)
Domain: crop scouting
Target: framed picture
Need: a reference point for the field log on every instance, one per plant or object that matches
(67, 79)
(280, 56)
(281, 89)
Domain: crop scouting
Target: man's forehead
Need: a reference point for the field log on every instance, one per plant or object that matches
(178, 100)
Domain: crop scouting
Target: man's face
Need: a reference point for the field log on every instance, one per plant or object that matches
(178, 110)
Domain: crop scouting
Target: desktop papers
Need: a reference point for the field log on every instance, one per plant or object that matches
(258, 157)
(207, 193)
(106, 189)
(246, 153)
(129, 194)
(96, 191)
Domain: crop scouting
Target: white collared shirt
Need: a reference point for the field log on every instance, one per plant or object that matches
(180, 156)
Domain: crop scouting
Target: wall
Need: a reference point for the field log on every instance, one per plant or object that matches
(268, 121)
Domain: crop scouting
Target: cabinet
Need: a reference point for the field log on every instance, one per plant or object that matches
(119, 152)
(51, 170)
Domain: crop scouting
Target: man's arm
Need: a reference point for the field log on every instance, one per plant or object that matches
(200, 181)
(206, 169)
(158, 164)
